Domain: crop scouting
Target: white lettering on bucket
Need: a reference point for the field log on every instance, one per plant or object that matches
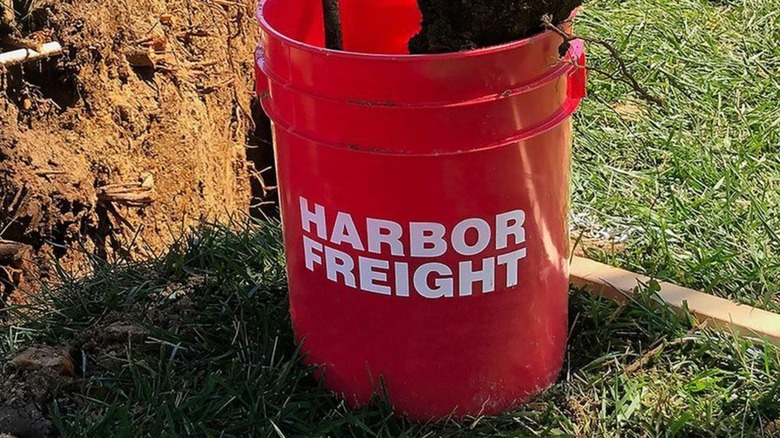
(473, 257)
(345, 232)
(510, 224)
(459, 236)
(309, 256)
(468, 276)
(382, 231)
(338, 262)
(317, 218)
(369, 276)
(442, 282)
(401, 279)
(427, 239)
(510, 261)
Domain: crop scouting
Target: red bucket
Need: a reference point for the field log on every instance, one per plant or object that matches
(424, 203)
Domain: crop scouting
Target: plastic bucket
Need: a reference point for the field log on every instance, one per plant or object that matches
(424, 203)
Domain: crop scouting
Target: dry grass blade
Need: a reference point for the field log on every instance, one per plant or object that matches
(7, 15)
(652, 354)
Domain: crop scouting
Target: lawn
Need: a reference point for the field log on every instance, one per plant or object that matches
(212, 355)
(691, 188)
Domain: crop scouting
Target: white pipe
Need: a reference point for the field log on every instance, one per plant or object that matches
(24, 55)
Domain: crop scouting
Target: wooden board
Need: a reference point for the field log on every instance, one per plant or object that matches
(617, 284)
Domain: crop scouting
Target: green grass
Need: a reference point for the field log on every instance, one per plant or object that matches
(694, 186)
(220, 361)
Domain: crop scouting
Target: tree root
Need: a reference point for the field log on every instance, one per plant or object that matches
(131, 195)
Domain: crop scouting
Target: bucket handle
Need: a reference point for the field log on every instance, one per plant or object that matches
(576, 84)
(578, 75)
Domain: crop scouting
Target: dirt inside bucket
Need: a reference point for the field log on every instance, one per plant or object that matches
(138, 130)
(456, 25)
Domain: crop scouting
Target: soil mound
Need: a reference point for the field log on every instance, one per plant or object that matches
(139, 129)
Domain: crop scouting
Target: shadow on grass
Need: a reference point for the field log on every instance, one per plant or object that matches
(217, 358)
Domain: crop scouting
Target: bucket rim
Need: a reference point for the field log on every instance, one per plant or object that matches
(556, 72)
(408, 57)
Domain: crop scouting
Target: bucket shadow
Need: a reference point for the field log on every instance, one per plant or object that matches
(260, 156)
(601, 330)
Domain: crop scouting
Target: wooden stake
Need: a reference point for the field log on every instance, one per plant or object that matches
(618, 284)
(333, 38)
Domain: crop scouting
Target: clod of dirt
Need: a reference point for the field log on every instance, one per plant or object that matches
(14, 257)
(140, 58)
(110, 334)
(123, 331)
(57, 359)
(455, 25)
(24, 395)
(23, 420)
(167, 19)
